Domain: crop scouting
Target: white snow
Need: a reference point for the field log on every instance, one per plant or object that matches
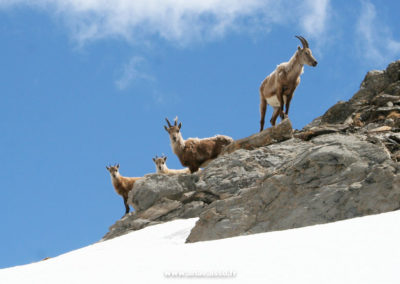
(361, 250)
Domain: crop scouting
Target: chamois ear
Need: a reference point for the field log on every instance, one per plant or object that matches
(154, 160)
(107, 168)
(298, 48)
(166, 129)
(117, 166)
(165, 158)
(180, 125)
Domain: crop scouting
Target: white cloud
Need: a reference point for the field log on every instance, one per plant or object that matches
(315, 18)
(132, 71)
(178, 21)
(375, 38)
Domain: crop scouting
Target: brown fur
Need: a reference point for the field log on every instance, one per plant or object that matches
(278, 87)
(122, 185)
(193, 152)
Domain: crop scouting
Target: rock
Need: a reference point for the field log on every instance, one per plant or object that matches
(363, 96)
(375, 80)
(153, 187)
(312, 132)
(393, 71)
(381, 129)
(393, 89)
(388, 109)
(280, 132)
(338, 113)
(332, 178)
(383, 99)
(163, 207)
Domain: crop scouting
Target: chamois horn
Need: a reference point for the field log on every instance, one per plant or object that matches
(169, 124)
(304, 42)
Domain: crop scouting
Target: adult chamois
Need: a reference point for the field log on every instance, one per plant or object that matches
(194, 152)
(278, 87)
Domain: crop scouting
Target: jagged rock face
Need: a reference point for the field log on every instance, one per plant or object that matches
(342, 165)
(329, 178)
(373, 111)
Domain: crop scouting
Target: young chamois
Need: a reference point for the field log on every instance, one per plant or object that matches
(193, 152)
(278, 88)
(161, 167)
(122, 185)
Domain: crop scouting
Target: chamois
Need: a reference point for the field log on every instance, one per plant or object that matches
(161, 167)
(122, 185)
(194, 152)
(278, 87)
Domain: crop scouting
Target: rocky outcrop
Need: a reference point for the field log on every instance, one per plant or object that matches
(342, 165)
(330, 178)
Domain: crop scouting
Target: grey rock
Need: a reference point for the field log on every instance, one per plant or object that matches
(376, 80)
(393, 89)
(332, 178)
(338, 113)
(153, 187)
(393, 71)
(383, 99)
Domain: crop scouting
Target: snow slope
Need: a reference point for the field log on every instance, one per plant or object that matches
(361, 250)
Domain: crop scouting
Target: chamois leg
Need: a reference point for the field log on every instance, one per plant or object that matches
(126, 205)
(288, 100)
(282, 103)
(263, 110)
(193, 168)
(290, 96)
(275, 115)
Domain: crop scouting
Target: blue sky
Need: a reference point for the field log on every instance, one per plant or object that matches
(85, 83)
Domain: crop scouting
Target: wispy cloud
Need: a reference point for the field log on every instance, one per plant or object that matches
(178, 21)
(315, 18)
(132, 71)
(375, 38)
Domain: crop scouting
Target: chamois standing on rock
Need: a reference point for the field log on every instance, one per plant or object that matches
(122, 185)
(161, 167)
(194, 152)
(278, 87)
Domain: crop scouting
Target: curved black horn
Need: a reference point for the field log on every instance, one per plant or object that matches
(304, 42)
(169, 124)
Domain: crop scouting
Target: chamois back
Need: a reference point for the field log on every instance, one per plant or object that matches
(193, 152)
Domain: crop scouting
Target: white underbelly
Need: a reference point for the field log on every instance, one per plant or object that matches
(273, 101)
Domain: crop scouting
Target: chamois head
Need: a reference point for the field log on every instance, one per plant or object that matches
(113, 170)
(305, 53)
(160, 162)
(174, 130)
